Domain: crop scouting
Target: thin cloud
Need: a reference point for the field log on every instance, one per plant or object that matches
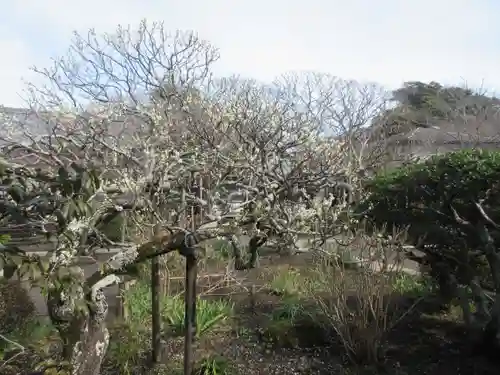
(389, 41)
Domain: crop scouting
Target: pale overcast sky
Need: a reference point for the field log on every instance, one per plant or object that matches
(386, 41)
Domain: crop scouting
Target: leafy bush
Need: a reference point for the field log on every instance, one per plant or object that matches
(438, 201)
(450, 205)
(16, 306)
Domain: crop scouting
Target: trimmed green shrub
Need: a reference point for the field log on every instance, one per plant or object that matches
(431, 198)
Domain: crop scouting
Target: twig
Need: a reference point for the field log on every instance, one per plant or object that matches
(23, 349)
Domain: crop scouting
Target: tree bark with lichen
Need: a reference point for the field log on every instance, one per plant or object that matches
(79, 308)
(84, 334)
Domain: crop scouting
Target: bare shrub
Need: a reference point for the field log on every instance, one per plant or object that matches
(359, 307)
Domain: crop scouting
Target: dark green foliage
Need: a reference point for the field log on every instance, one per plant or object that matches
(16, 306)
(37, 194)
(63, 196)
(440, 101)
(114, 228)
(425, 197)
(423, 104)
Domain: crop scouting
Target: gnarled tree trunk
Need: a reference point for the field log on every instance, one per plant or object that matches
(81, 322)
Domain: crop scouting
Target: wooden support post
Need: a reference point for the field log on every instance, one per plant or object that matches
(156, 307)
(190, 313)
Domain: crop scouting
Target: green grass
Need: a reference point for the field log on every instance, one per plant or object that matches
(213, 365)
(222, 249)
(129, 348)
(412, 286)
(130, 344)
(290, 309)
(282, 323)
(210, 314)
(287, 282)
